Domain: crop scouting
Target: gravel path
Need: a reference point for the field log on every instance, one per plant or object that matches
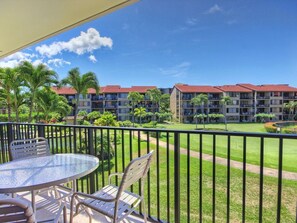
(234, 164)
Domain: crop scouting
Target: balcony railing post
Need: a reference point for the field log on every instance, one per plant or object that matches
(9, 137)
(92, 152)
(41, 130)
(177, 176)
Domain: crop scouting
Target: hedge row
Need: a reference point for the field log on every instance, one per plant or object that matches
(22, 117)
(270, 127)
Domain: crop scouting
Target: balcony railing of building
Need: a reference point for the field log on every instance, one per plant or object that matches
(196, 176)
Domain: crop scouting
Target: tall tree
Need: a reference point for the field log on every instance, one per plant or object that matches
(10, 82)
(50, 102)
(35, 78)
(225, 100)
(140, 113)
(165, 103)
(200, 100)
(134, 98)
(290, 106)
(81, 83)
(155, 96)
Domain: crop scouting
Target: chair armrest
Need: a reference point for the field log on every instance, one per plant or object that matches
(61, 210)
(92, 196)
(114, 174)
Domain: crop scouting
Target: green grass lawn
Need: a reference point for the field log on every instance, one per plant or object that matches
(271, 146)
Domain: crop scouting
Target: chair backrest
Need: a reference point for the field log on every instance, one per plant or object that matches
(28, 148)
(136, 169)
(16, 210)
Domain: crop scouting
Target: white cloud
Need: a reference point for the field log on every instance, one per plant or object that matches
(214, 9)
(191, 21)
(92, 58)
(86, 42)
(15, 59)
(57, 62)
(232, 22)
(177, 70)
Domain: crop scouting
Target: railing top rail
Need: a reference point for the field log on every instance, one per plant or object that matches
(203, 132)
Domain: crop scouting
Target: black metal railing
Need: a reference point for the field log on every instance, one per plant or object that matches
(196, 176)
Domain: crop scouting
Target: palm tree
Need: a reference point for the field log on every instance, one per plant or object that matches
(290, 106)
(140, 112)
(50, 102)
(155, 96)
(134, 97)
(201, 100)
(10, 82)
(225, 100)
(81, 83)
(35, 78)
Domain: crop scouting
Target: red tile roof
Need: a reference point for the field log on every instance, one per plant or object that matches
(270, 87)
(233, 88)
(106, 89)
(197, 89)
(64, 90)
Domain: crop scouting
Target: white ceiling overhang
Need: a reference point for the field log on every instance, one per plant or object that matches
(26, 22)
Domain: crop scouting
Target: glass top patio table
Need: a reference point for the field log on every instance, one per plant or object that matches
(42, 172)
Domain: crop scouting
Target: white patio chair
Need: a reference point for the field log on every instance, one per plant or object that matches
(30, 148)
(113, 201)
(20, 211)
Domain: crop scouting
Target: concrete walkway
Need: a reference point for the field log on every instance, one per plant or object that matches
(234, 164)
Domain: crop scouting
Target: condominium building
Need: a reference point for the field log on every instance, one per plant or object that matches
(112, 98)
(246, 101)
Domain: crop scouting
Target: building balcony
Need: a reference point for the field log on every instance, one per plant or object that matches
(187, 182)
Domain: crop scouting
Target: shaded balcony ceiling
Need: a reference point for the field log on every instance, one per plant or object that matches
(26, 22)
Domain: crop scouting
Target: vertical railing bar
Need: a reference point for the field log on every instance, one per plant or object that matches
(69, 138)
(108, 143)
(65, 139)
(188, 178)
(116, 154)
(123, 151)
(200, 178)
(261, 180)
(168, 176)
(176, 177)
(158, 174)
(130, 150)
(56, 137)
(280, 176)
(214, 178)
(148, 177)
(102, 158)
(139, 155)
(244, 180)
(228, 177)
(60, 138)
(96, 154)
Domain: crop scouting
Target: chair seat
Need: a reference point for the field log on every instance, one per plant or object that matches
(126, 201)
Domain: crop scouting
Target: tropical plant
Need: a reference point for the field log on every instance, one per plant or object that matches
(290, 106)
(106, 119)
(80, 83)
(262, 117)
(10, 82)
(93, 115)
(164, 116)
(164, 103)
(155, 96)
(36, 77)
(215, 117)
(200, 117)
(201, 100)
(134, 98)
(83, 113)
(140, 113)
(225, 100)
(50, 102)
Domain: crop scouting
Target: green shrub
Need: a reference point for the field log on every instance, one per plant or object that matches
(151, 125)
(126, 123)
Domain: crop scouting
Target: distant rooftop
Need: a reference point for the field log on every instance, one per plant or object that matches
(197, 88)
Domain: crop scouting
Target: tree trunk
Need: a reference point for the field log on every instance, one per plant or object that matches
(8, 109)
(76, 108)
(225, 112)
(31, 107)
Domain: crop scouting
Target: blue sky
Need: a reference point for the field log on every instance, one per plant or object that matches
(163, 42)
